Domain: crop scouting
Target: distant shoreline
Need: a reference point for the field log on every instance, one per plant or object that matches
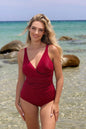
(50, 20)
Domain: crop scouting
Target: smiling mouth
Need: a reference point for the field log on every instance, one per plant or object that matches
(35, 36)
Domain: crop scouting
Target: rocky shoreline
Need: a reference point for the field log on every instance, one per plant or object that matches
(10, 50)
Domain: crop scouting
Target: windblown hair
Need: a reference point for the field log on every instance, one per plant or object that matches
(49, 35)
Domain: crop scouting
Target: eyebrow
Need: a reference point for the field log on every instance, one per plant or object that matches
(37, 27)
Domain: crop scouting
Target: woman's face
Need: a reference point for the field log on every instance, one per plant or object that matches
(36, 31)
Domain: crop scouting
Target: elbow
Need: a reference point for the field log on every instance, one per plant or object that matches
(60, 80)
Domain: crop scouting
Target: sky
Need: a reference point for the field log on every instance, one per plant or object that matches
(23, 10)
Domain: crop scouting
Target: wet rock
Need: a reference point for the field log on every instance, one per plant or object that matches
(64, 38)
(1, 66)
(10, 50)
(11, 61)
(70, 61)
(82, 36)
(15, 45)
(9, 55)
(1, 56)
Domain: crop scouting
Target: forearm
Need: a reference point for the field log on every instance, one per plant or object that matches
(18, 90)
(59, 86)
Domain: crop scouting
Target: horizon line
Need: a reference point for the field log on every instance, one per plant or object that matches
(50, 20)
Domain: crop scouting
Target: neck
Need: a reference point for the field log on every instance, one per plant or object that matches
(35, 44)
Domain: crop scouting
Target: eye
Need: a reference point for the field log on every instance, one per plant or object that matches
(41, 30)
(33, 28)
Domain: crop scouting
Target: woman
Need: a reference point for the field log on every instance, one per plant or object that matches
(35, 79)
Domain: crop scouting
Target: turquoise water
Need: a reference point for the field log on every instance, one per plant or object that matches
(9, 31)
(73, 99)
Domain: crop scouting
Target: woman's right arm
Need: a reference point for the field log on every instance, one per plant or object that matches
(21, 79)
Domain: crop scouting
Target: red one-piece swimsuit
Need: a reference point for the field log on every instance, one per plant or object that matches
(38, 87)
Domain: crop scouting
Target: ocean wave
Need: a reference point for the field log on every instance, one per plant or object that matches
(75, 51)
(82, 36)
(76, 42)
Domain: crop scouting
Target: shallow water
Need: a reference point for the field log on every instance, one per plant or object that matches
(72, 103)
(73, 99)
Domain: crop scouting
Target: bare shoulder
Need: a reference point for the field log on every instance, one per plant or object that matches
(53, 50)
(21, 54)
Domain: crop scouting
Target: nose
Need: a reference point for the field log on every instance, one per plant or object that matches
(37, 31)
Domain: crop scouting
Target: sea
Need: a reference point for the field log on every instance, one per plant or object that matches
(73, 98)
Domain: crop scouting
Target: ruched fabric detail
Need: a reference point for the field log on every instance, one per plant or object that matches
(38, 87)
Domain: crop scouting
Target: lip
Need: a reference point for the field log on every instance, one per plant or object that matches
(35, 36)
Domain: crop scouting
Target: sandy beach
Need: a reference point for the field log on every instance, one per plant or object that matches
(72, 103)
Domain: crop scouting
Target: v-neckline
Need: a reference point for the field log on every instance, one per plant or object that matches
(39, 60)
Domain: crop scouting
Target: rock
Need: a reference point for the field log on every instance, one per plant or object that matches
(15, 45)
(1, 56)
(1, 66)
(11, 61)
(64, 38)
(70, 61)
(82, 36)
(9, 55)
(10, 50)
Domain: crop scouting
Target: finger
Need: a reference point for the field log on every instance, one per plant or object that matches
(56, 116)
(51, 111)
(22, 117)
(21, 112)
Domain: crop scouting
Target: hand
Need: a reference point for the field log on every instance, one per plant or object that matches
(55, 111)
(19, 108)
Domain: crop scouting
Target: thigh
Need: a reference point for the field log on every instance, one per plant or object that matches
(47, 121)
(30, 114)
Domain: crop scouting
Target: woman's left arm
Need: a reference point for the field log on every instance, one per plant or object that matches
(59, 80)
(58, 74)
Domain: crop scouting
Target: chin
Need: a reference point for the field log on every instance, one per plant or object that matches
(36, 39)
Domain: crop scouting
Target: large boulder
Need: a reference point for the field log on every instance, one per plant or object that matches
(11, 61)
(10, 55)
(64, 38)
(15, 45)
(70, 61)
(10, 50)
(1, 56)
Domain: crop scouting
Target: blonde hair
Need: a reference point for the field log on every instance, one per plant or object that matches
(49, 35)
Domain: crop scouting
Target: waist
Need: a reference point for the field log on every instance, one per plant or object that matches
(34, 79)
(41, 83)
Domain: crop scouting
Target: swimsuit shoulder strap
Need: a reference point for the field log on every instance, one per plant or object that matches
(46, 51)
(25, 55)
